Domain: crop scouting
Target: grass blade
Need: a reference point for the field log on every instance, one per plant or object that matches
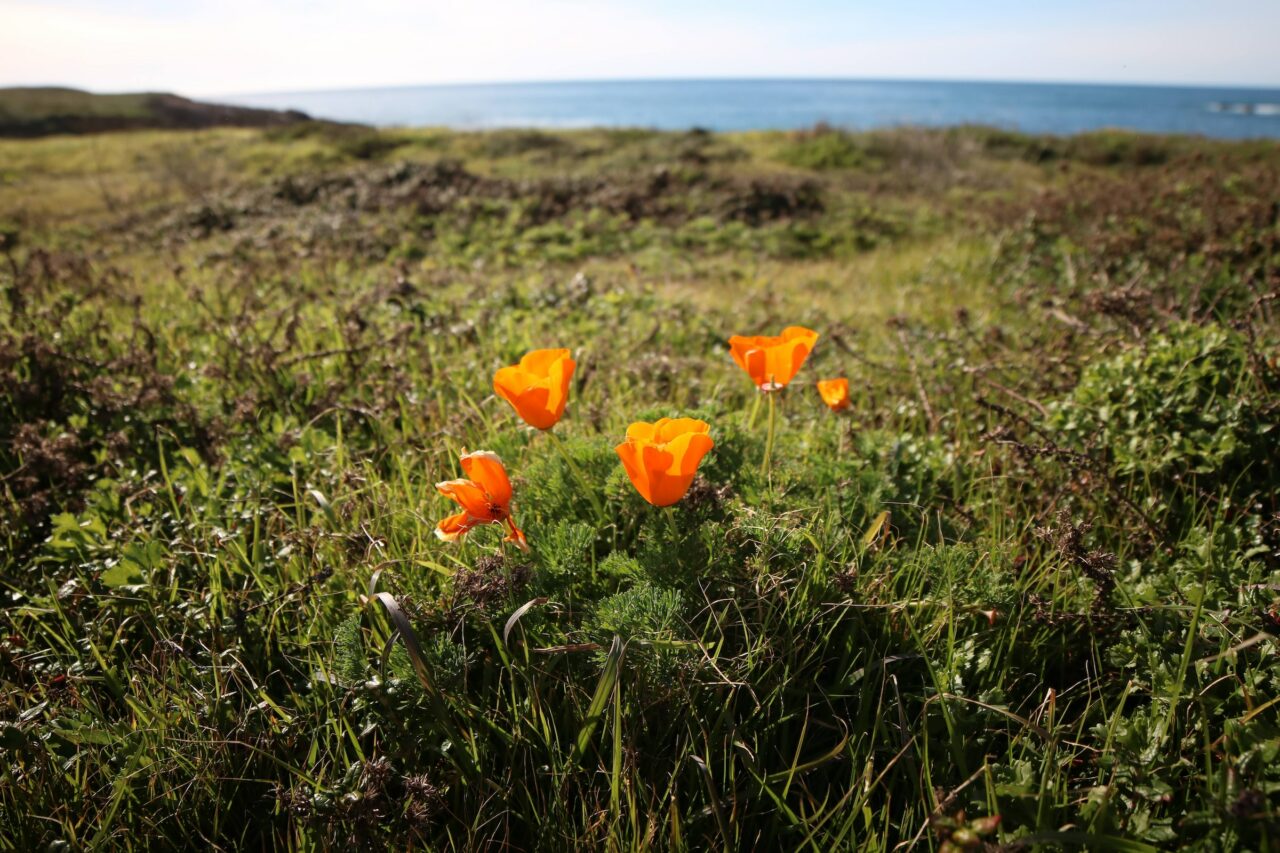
(600, 699)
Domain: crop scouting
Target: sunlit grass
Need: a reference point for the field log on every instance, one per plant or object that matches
(1030, 572)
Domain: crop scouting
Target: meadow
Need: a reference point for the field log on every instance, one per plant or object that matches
(1022, 593)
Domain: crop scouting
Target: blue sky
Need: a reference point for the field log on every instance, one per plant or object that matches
(242, 46)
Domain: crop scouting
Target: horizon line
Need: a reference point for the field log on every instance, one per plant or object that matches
(327, 90)
(338, 89)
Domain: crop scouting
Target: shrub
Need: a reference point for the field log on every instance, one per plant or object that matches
(1184, 404)
(514, 143)
(824, 148)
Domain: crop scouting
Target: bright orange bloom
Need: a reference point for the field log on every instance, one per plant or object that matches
(835, 393)
(661, 458)
(771, 362)
(485, 498)
(538, 387)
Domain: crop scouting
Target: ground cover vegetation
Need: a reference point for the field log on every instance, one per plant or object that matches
(1017, 584)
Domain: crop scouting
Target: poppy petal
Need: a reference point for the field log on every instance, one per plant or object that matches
(668, 489)
(485, 468)
(629, 453)
(668, 429)
(687, 451)
(642, 432)
(662, 458)
(516, 535)
(470, 496)
(538, 362)
(538, 387)
(510, 382)
(449, 529)
(772, 362)
(835, 393)
(561, 372)
(738, 346)
(656, 461)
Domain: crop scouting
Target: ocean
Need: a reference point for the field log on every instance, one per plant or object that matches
(786, 104)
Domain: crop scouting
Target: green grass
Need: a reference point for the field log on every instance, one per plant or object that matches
(236, 362)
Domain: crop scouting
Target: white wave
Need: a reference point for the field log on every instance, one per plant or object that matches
(1245, 108)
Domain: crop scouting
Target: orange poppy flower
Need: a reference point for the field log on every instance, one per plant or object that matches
(538, 387)
(771, 362)
(485, 498)
(835, 393)
(662, 458)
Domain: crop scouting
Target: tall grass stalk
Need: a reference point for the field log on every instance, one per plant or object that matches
(768, 446)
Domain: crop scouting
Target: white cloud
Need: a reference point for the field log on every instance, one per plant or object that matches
(1214, 52)
(258, 46)
(235, 46)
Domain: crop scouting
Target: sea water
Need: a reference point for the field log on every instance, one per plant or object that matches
(785, 104)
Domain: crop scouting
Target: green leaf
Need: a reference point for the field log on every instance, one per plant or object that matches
(123, 573)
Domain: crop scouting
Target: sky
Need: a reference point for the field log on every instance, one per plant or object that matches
(225, 47)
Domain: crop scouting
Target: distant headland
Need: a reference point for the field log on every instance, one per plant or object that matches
(43, 111)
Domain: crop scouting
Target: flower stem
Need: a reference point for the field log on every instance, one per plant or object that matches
(768, 445)
(581, 477)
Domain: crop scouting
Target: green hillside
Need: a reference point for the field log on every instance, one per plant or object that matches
(37, 111)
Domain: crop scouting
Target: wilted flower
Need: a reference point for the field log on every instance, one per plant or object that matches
(662, 458)
(835, 393)
(485, 498)
(538, 387)
(771, 362)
